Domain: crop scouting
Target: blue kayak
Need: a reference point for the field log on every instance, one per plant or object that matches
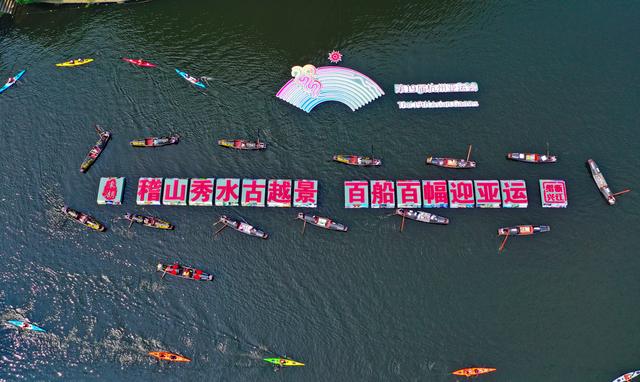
(26, 326)
(193, 80)
(12, 81)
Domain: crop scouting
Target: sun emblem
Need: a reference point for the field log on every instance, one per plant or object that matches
(335, 56)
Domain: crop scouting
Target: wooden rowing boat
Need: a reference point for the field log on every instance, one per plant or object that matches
(242, 227)
(422, 216)
(321, 222)
(601, 182)
(532, 158)
(523, 230)
(184, 272)
(356, 160)
(241, 144)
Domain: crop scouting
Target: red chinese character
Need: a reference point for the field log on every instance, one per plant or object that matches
(357, 192)
(149, 189)
(306, 191)
(461, 192)
(279, 191)
(488, 192)
(409, 192)
(382, 193)
(227, 191)
(253, 191)
(110, 189)
(435, 192)
(201, 189)
(175, 191)
(515, 192)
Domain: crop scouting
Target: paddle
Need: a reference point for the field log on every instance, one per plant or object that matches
(469, 153)
(163, 273)
(304, 225)
(622, 192)
(503, 243)
(547, 148)
(402, 224)
(220, 230)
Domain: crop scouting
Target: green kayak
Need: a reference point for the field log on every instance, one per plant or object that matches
(283, 362)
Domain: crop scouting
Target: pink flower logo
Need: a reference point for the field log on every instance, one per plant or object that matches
(335, 56)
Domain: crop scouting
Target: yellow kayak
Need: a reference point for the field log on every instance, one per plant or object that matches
(77, 62)
(283, 362)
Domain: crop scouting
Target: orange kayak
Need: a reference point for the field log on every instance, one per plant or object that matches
(166, 356)
(473, 371)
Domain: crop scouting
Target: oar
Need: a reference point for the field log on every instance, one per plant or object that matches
(130, 223)
(220, 230)
(469, 153)
(547, 148)
(622, 192)
(402, 224)
(503, 243)
(304, 225)
(163, 273)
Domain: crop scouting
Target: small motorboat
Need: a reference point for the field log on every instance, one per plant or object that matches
(12, 80)
(148, 221)
(283, 362)
(601, 182)
(156, 141)
(76, 62)
(321, 222)
(241, 144)
(96, 150)
(356, 160)
(139, 62)
(166, 356)
(192, 80)
(473, 371)
(184, 272)
(532, 158)
(84, 219)
(422, 216)
(450, 162)
(523, 230)
(26, 325)
(239, 226)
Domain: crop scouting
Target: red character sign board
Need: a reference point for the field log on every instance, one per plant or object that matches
(553, 193)
(175, 192)
(514, 194)
(408, 194)
(110, 191)
(383, 194)
(254, 192)
(356, 194)
(434, 194)
(149, 191)
(461, 194)
(279, 193)
(487, 193)
(305, 193)
(201, 191)
(227, 192)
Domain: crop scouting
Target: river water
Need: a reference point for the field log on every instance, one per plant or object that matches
(370, 305)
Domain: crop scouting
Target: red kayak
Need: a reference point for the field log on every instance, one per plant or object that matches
(139, 62)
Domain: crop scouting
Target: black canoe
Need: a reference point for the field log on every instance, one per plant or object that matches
(321, 222)
(96, 150)
(422, 216)
(156, 141)
(243, 227)
(84, 219)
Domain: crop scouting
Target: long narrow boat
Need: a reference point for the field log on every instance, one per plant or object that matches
(473, 371)
(243, 227)
(84, 219)
(12, 80)
(523, 230)
(139, 62)
(356, 160)
(24, 325)
(600, 182)
(184, 272)
(148, 221)
(192, 80)
(321, 222)
(76, 62)
(241, 144)
(166, 356)
(422, 216)
(96, 150)
(450, 162)
(283, 362)
(156, 141)
(532, 158)
(627, 377)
